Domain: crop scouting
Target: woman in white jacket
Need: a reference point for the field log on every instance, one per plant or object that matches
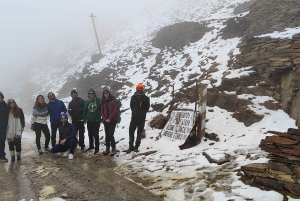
(39, 122)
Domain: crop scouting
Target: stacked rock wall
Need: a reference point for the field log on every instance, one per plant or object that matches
(282, 171)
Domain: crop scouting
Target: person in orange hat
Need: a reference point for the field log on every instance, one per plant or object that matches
(139, 105)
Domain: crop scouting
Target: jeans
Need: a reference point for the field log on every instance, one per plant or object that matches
(38, 128)
(136, 123)
(109, 133)
(93, 132)
(16, 143)
(70, 144)
(80, 127)
(54, 127)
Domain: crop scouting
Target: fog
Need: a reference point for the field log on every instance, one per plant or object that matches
(29, 27)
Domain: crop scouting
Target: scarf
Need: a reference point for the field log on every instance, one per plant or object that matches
(13, 128)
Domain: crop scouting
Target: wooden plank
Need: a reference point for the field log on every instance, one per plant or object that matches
(273, 183)
(255, 167)
(294, 152)
(281, 140)
(280, 167)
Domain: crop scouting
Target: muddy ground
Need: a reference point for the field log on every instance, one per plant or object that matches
(49, 176)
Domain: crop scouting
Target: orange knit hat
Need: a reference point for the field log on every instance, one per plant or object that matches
(139, 85)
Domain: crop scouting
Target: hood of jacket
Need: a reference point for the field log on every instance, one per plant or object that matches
(92, 90)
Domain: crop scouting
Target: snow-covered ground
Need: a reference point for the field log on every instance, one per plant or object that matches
(185, 174)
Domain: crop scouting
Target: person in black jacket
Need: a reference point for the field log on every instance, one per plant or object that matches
(3, 126)
(15, 127)
(67, 138)
(139, 105)
(75, 108)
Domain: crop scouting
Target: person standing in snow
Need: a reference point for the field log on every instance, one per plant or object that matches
(15, 127)
(67, 138)
(75, 109)
(109, 113)
(139, 105)
(39, 123)
(55, 108)
(3, 127)
(91, 116)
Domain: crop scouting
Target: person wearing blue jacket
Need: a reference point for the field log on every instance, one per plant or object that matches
(67, 138)
(55, 108)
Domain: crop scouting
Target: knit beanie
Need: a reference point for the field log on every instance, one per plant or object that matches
(139, 85)
(1, 94)
(105, 89)
(63, 115)
(74, 92)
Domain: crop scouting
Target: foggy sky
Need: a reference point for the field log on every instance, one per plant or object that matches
(29, 27)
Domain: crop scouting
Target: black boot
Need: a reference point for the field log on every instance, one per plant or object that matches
(13, 157)
(107, 151)
(18, 156)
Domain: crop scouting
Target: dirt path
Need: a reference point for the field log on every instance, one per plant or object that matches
(48, 176)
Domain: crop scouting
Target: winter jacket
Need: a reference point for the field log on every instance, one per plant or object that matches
(67, 131)
(139, 106)
(76, 107)
(3, 120)
(39, 114)
(109, 110)
(92, 109)
(55, 109)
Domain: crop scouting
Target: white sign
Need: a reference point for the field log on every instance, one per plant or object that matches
(179, 125)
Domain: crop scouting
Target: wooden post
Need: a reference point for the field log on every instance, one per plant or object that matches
(92, 16)
(202, 108)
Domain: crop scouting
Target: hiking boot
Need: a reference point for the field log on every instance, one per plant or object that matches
(113, 151)
(40, 152)
(136, 150)
(89, 149)
(129, 150)
(18, 157)
(66, 153)
(47, 149)
(4, 159)
(107, 151)
(71, 156)
(13, 158)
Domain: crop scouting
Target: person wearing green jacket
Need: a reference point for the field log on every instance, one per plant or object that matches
(91, 116)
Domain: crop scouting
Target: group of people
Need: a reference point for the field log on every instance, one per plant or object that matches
(91, 112)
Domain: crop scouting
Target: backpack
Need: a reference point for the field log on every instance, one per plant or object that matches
(119, 109)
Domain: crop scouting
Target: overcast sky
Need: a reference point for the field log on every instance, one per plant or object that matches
(29, 27)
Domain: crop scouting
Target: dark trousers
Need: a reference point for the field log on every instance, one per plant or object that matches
(16, 143)
(140, 124)
(109, 133)
(2, 148)
(93, 132)
(38, 128)
(80, 127)
(54, 127)
(70, 144)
